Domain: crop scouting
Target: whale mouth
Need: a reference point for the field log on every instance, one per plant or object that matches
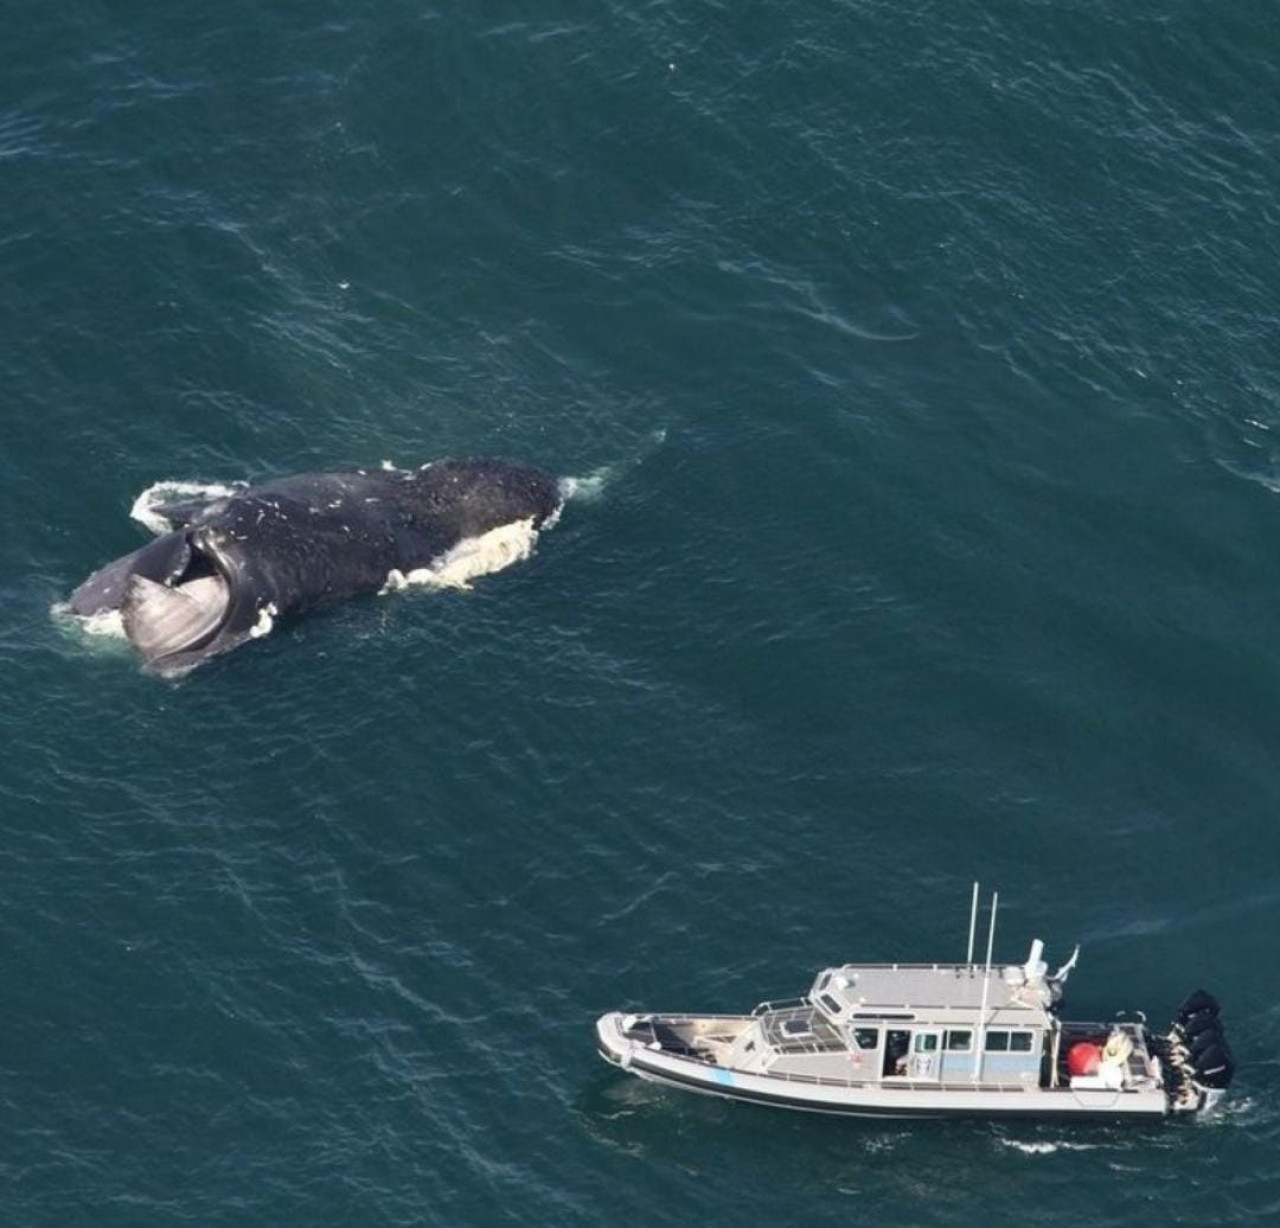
(182, 614)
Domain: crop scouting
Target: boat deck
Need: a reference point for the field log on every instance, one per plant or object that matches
(1138, 1067)
(800, 1029)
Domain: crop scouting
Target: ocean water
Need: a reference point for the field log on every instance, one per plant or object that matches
(922, 361)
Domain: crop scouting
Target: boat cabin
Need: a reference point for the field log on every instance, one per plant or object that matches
(900, 1024)
(916, 1022)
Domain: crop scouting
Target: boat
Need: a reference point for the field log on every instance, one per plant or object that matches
(936, 1040)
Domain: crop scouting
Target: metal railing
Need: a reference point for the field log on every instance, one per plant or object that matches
(782, 1004)
(819, 1036)
(647, 1016)
(900, 967)
(897, 1084)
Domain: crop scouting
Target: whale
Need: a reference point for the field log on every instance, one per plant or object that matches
(226, 567)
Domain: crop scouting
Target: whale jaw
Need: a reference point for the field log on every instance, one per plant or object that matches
(161, 621)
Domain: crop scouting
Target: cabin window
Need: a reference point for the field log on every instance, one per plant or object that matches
(926, 1042)
(830, 1003)
(960, 1041)
(1001, 1041)
(866, 1038)
(823, 981)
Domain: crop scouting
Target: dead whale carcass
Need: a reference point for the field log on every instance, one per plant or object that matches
(229, 565)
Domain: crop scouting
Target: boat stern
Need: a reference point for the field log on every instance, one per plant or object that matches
(1199, 1065)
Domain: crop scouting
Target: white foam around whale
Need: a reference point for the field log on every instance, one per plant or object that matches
(106, 624)
(146, 507)
(591, 487)
(470, 558)
(587, 489)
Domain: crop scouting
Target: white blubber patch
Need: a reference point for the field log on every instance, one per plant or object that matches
(266, 621)
(470, 558)
(147, 506)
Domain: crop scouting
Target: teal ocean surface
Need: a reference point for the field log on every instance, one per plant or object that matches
(922, 359)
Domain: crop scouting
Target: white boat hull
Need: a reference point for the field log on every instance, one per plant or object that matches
(900, 1099)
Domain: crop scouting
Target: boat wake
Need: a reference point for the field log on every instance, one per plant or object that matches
(1047, 1148)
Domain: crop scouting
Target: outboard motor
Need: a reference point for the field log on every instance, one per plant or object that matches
(1200, 1060)
(1200, 1004)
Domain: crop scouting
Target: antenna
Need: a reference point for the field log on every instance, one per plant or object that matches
(973, 924)
(986, 983)
(991, 932)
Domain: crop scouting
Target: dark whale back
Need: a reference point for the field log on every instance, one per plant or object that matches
(320, 537)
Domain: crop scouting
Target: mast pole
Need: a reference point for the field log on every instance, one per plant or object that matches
(973, 924)
(980, 1039)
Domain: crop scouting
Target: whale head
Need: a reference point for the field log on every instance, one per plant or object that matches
(175, 597)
